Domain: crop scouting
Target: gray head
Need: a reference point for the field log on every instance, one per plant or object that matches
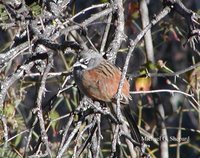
(88, 59)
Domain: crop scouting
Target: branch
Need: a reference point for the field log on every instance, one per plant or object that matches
(133, 44)
(119, 31)
(41, 92)
(86, 22)
(192, 21)
(132, 47)
(71, 136)
(162, 91)
(5, 132)
(8, 82)
(12, 53)
(147, 38)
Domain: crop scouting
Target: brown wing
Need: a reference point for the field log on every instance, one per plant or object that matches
(102, 82)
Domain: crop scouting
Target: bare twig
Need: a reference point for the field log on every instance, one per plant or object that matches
(65, 133)
(29, 137)
(71, 136)
(41, 91)
(119, 32)
(93, 128)
(87, 9)
(50, 74)
(10, 80)
(162, 91)
(114, 141)
(162, 14)
(192, 20)
(106, 31)
(12, 53)
(99, 136)
(174, 73)
(128, 142)
(5, 129)
(179, 134)
(86, 22)
(164, 149)
(147, 38)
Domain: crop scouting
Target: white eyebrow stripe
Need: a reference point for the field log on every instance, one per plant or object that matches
(81, 60)
(79, 64)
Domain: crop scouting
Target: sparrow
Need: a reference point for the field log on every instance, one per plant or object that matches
(99, 79)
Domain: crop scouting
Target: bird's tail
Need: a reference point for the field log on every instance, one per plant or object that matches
(135, 133)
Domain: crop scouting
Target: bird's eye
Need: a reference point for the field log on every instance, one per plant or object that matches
(85, 62)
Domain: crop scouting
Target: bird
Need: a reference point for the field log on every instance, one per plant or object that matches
(99, 80)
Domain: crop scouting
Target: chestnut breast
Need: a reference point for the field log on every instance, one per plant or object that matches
(102, 82)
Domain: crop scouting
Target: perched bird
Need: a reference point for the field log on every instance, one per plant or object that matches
(99, 80)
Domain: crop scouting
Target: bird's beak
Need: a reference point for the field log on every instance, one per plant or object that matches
(79, 64)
